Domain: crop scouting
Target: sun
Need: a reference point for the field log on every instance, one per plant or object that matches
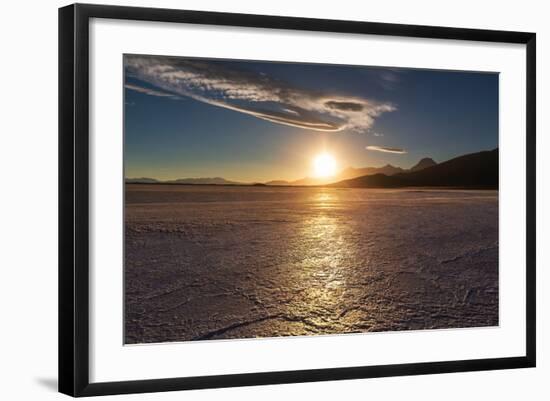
(324, 165)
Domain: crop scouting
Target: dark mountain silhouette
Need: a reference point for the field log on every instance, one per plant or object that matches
(345, 174)
(185, 181)
(388, 169)
(352, 172)
(475, 170)
(422, 164)
(278, 182)
(142, 180)
(203, 181)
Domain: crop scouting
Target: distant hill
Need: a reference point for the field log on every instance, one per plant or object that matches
(142, 180)
(202, 181)
(345, 174)
(422, 164)
(388, 169)
(475, 170)
(189, 181)
(352, 172)
(278, 182)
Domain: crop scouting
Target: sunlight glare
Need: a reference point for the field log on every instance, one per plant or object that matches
(324, 165)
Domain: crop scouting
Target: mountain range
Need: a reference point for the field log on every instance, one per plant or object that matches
(475, 170)
(184, 181)
(203, 181)
(352, 172)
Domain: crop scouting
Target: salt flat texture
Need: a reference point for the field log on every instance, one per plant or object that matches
(218, 262)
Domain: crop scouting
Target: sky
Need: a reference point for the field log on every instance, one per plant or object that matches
(252, 121)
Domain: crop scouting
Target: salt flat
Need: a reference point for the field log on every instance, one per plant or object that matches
(213, 262)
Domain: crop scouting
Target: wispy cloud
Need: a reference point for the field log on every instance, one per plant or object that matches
(389, 79)
(255, 94)
(148, 91)
(386, 149)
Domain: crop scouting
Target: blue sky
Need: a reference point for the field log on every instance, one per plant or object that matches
(260, 121)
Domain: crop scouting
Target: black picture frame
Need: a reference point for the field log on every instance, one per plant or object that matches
(74, 200)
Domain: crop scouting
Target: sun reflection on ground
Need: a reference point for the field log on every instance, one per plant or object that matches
(324, 199)
(325, 248)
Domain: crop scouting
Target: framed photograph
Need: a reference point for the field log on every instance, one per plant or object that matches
(249, 199)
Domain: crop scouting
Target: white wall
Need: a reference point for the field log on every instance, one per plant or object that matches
(28, 216)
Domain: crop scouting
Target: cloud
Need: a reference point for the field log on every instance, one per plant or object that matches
(252, 93)
(148, 91)
(346, 106)
(290, 119)
(386, 149)
(389, 78)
